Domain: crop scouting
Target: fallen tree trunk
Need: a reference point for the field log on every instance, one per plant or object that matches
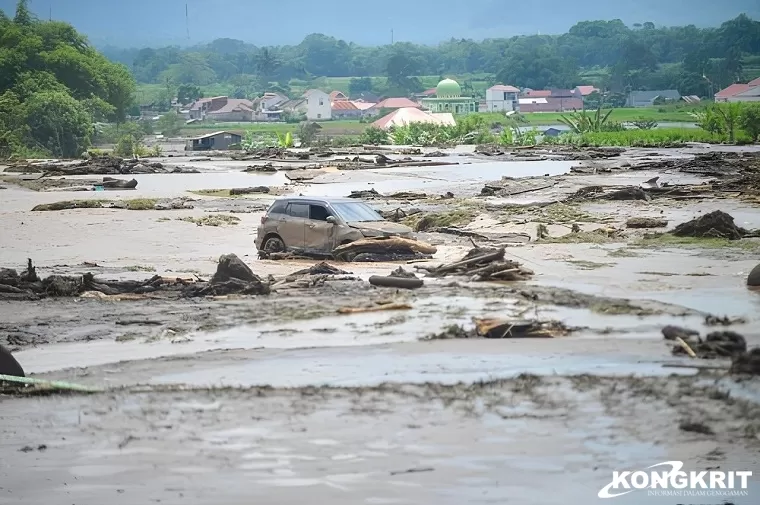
(483, 265)
(388, 246)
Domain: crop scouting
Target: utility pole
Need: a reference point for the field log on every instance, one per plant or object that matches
(187, 23)
(391, 36)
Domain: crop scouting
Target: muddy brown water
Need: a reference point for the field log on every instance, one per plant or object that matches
(422, 440)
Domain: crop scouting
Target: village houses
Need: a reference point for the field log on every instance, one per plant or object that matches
(749, 92)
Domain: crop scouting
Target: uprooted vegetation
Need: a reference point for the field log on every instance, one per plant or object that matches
(133, 204)
(212, 220)
(431, 221)
(232, 276)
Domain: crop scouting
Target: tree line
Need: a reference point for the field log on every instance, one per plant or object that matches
(54, 87)
(609, 54)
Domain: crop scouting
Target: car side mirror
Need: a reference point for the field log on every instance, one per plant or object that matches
(331, 220)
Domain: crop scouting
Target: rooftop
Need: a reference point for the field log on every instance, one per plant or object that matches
(505, 88)
(586, 90)
(538, 93)
(396, 103)
(214, 135)
(344, 105)
(733, 90)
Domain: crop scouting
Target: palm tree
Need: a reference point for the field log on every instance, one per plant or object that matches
(266, 64)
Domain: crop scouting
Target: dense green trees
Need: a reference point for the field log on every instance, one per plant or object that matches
(53, 86)
(609, 53)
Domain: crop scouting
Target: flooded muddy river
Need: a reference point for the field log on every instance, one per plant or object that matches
(229, 399)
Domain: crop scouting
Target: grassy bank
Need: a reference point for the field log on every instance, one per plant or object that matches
(670, 114)
(662, 137)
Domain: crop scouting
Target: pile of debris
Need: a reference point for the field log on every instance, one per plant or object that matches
(482, 264)
(716, 224)
(232, 277)
(315, 275)
(568, 153)
(384, 249)
(97, 165)
(717, 344)
(505, 328)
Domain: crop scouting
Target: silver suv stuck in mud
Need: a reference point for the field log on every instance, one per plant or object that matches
(317, 225)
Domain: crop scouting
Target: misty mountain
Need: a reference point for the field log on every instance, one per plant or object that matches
(139, 23)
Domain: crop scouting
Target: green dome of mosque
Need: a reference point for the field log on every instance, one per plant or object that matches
(448, 88)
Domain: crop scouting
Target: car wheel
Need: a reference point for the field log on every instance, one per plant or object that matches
(274, 244)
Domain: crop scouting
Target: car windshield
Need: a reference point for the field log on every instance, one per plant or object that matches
(353, 212)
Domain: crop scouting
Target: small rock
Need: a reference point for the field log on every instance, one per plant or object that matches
(671, 332)
(753, 279)
(696, 427)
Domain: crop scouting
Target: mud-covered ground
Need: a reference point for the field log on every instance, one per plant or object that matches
(416, 441)
(487, 442)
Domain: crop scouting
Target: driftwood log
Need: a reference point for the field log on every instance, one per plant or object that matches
(387, 248)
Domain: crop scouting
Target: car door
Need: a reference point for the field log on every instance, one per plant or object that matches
(318, 232)
(292, 228)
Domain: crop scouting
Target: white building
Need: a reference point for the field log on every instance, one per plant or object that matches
(318, 106)
(270, 101)
(502, 98)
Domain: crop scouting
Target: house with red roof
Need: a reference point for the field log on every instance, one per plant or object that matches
(337, 95)
(343, 109)
(222, 108)
(584, 91)
(537, 93)
(392, 103)
(749, 92)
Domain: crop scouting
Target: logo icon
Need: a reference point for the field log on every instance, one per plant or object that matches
(676, 482)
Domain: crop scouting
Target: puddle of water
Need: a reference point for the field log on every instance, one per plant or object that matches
(428, 316)
(164, 184)
(430, 179)
(383, 365)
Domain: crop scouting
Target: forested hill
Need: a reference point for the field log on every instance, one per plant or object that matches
(608, 53)
(54, 86)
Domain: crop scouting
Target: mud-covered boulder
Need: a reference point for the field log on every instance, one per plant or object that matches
(746, 362)
(111, 183)
(716, 224)
(9, 277)
(232, 276)
(9, 365)
(753, 279)
(232, 267)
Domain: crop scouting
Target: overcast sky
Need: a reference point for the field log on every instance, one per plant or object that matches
(135, 23)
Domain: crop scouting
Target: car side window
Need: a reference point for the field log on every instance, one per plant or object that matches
(298, 210)
(318, 213)
(278, 208)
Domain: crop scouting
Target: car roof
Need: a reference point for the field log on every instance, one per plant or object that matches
(321, 199)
